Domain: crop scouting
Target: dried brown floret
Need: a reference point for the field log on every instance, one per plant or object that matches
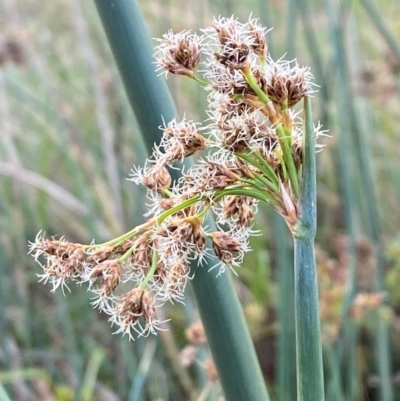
(179, 53)
(225, 246)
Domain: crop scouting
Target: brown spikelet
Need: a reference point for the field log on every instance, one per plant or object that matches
(195, 333)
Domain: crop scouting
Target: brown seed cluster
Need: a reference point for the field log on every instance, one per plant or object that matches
(225, 246)
(240, 208)
(179, 54)
(250, 128)
(134, 305)
(63, 260)
(157, 178)
(180, 140)
(287, 85)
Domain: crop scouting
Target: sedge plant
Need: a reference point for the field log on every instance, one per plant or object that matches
(256, 148)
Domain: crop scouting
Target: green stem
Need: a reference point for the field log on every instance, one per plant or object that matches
(346, 344)
(199, 80)
(284, 138)
(122, 238)
(310, 382)
(150, 274)
(286, 344)
(254, 183)
(284, 141)
(127, 254)
(271, 173)
(191, 201)
(220, 310)
(243, 189)
(251, 192)
(262, 63)
(167, 192)
(250, 189)
(262, 165)
(253, 85)
(264, 181)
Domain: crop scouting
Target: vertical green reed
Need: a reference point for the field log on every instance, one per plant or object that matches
(372, 224)
(370, 218)
(347, 343)
(310, 380)
(380, 24)
(286, 355)
(314, 48)
(220, 310)
(355, 159)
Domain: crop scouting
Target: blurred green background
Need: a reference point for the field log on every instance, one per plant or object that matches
(68, 140)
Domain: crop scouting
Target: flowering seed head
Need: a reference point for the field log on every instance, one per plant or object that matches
(134, 305)
(234, 49)
(259, 43)
(156, 178)
(71, 265)
(166, 203)
(211, 175)
(51, 247)
(239, 207)
(184, 231)
(234, 135)
(248, 131)
(63, 259)
(297, 146)
(171, 277)
(241, 137)
(179, 140)
(98, 255)
(141, 256)
(179, 53)
(110, 271)
(225, 246)
(226, 81)
(287, 85)
(199, 237)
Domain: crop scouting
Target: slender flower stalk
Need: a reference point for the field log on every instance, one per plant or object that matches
(255, 152)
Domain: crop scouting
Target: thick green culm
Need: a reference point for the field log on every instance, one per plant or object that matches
(310, 376)
(220, 310)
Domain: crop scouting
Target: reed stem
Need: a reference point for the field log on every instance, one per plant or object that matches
(310, 382)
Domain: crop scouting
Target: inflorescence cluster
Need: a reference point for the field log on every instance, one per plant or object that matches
(255, 149)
